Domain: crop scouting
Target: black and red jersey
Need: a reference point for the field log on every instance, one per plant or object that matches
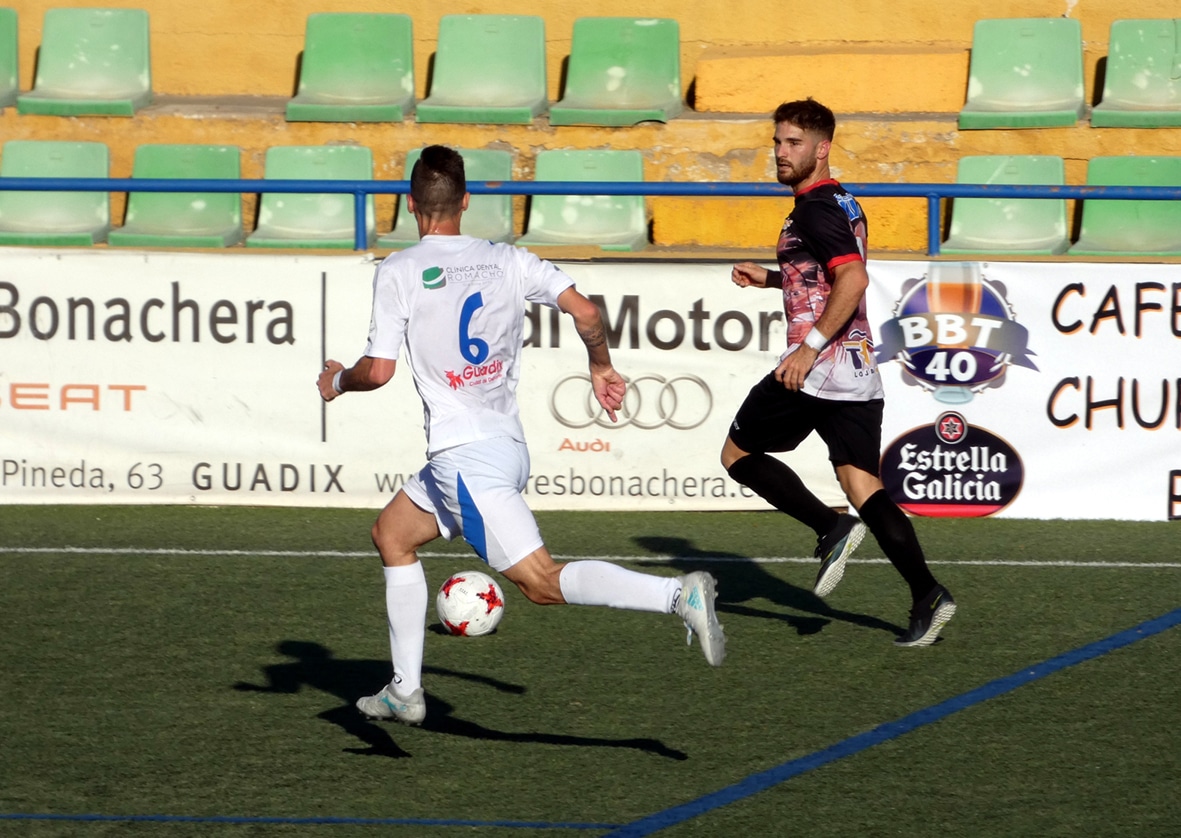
(825, 229)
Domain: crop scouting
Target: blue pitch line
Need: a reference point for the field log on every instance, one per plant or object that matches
(855, 744)
(723, 797)
(334, 821)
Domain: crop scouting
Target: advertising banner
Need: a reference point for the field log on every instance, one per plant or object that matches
(190, 378)
(1021, 390)
(1031, 390)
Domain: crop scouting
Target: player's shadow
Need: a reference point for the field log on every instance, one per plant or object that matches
(313, 665)
(742, 580)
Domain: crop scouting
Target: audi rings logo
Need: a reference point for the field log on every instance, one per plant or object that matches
(651, 401)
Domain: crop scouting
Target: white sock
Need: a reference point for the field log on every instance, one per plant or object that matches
(405, 605)
(603, 583)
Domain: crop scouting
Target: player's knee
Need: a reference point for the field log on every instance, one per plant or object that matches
(731, 454)
(382, 534)
(728, 458)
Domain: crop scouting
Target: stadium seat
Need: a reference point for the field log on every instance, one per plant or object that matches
(488, 69)
(183, 219)
(356, 68)
(613, 222)
(1024, 73)
(487, 217)
(54, 218)
(8, 58)
(1025, 226)
(92, 62)
(322, 220)
(1142, 84)
(622, 71)
(1131, 228)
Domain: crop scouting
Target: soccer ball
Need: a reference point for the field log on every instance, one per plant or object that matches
(470, 604)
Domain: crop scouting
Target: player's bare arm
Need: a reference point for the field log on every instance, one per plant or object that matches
(749, 275)
(608, 385)
(367, 374)
(848, 287)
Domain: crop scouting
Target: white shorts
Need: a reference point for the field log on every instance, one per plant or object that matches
(474, 490)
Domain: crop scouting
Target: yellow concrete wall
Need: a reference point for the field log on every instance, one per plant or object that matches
(222, 72)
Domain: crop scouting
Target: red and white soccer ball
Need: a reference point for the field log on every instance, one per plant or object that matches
(470, 604)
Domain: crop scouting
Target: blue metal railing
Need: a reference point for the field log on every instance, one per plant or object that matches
(934, 193)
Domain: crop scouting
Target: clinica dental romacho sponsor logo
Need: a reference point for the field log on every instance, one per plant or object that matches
(951, 469)
(954, 332)
(439, 277)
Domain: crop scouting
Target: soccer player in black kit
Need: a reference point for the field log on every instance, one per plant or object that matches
(827, 381)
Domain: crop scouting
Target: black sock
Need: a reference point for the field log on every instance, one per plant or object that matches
(778, 485)
(896, 536)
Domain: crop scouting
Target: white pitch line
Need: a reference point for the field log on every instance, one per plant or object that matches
(339, 554)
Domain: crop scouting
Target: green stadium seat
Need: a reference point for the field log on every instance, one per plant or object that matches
(1142, 84)
(613, 222)
(322, 220)
(92, 62)
(488, 69)
(1131, 228)
(9, 57)
(54, 218)
(488, 216)
(1024, 226)
(1024, 73)
(356, 68)
(183, 219)
(622, 71)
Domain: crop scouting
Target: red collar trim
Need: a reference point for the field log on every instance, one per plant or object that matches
(824, 182)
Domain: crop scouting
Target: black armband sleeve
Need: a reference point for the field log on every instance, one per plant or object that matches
(774, 279)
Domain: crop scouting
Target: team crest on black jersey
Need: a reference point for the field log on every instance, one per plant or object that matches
(849, 204)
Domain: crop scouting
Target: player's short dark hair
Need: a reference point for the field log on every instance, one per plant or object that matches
(438, 181)
(808, 115)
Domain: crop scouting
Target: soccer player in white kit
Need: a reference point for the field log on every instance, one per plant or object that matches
(454, 307)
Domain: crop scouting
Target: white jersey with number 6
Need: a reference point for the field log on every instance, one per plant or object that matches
(457, 304)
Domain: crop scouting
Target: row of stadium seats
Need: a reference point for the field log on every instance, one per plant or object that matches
(287, 220)
(156, 219)
(491, 69)
(1028, 73)
(1038, 226)
(359, 67)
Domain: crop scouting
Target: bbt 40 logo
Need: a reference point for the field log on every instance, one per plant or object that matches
(950, 469)
(954, 333)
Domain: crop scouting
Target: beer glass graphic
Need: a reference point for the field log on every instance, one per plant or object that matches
(955, 288)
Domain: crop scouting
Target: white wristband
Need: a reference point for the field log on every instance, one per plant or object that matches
(815, 340)
(336, 382)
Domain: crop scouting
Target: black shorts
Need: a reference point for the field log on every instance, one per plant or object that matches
(774, 418)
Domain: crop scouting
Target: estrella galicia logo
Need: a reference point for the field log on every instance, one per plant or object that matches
(954, 333)
(951, 470)
(433, 278)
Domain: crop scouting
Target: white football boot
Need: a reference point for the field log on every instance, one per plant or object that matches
(696, 607)
(387, 704)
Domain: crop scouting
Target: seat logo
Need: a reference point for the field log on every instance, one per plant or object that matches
(651, 401)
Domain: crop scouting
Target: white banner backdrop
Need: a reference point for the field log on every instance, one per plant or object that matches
(1033, 390)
